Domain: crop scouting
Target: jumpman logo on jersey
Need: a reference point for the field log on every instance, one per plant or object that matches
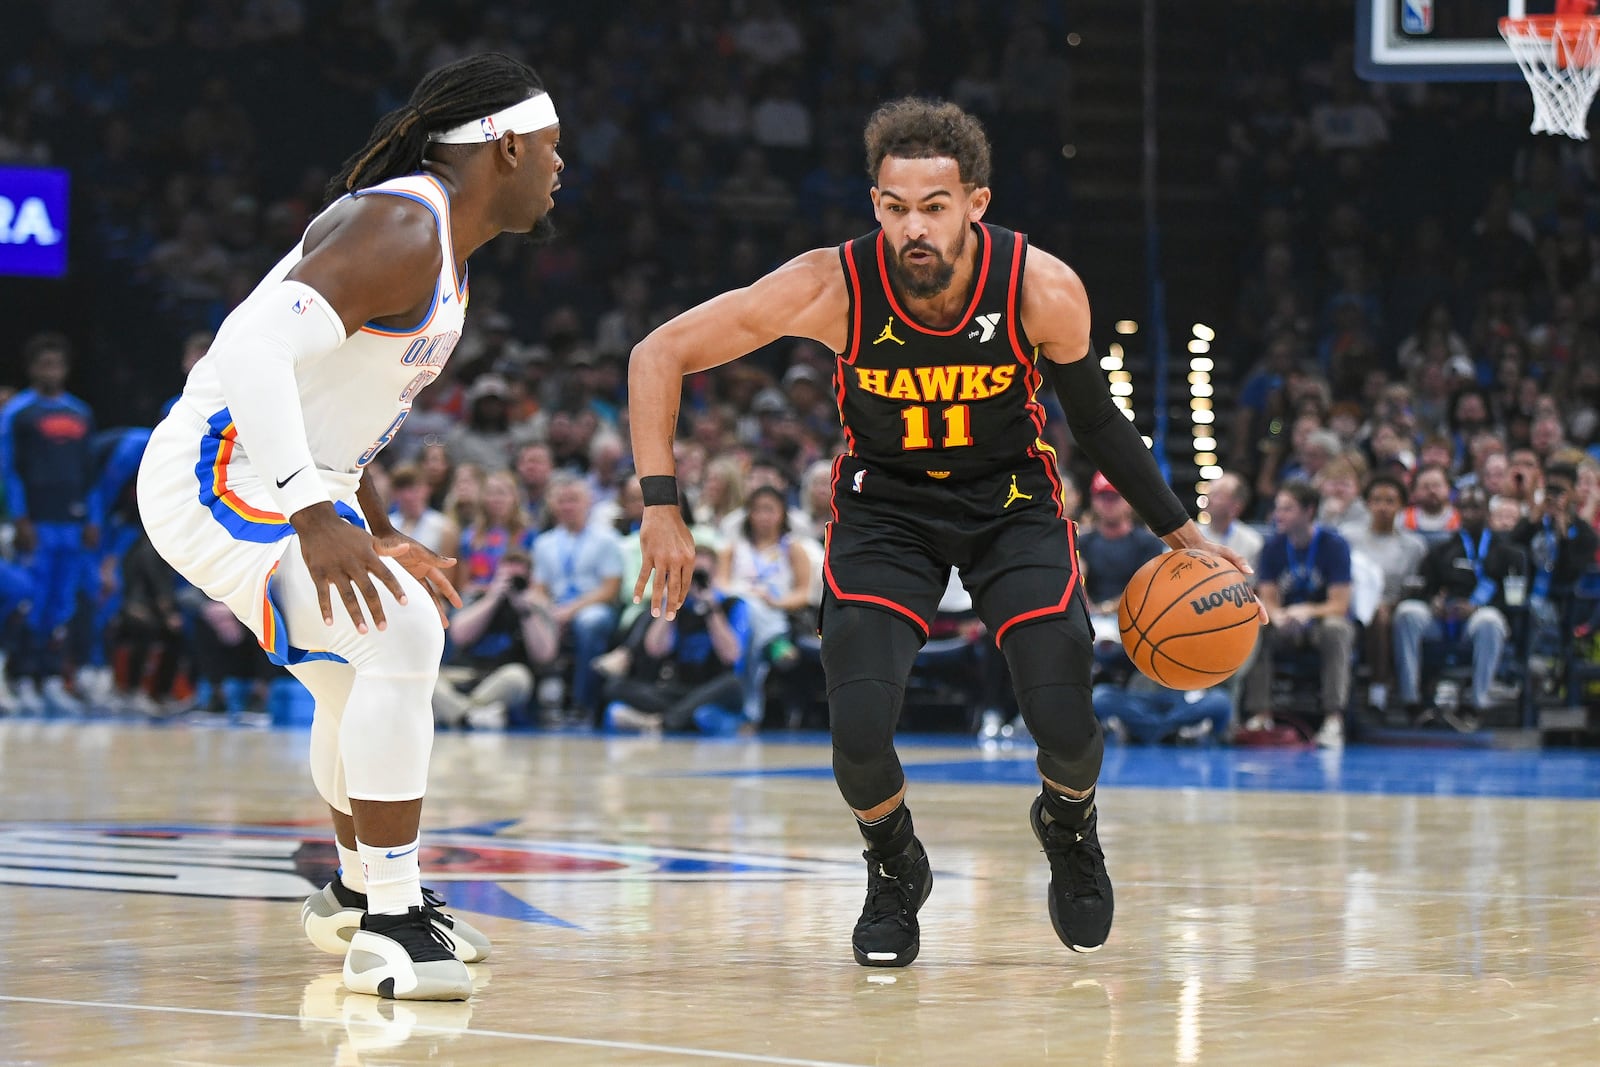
(1015, 494)
(888, 333)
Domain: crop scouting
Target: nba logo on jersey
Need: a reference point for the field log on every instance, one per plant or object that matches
(855, 483)
(1416, 16)
(302, 305)
(487, 126)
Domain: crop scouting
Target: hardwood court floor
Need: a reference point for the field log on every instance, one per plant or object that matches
(682, 903)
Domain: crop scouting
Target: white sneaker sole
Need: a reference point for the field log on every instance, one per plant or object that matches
(380, 966)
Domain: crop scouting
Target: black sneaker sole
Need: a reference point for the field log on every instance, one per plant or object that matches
(904, 958)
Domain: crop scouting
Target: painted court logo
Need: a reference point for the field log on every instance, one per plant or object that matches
(472, 866)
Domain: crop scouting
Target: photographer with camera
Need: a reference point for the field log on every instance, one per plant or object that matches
(494, 640)
(679, 673)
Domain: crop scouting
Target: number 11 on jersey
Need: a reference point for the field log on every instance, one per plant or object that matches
(957, 427)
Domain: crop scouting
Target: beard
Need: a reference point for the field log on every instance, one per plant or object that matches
(544, 231)
(927, 280)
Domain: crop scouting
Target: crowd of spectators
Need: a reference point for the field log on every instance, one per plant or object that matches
(1404, 343)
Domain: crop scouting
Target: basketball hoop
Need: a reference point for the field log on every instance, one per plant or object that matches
(1560, 56)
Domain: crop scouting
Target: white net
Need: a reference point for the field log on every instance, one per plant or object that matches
(1558, 57)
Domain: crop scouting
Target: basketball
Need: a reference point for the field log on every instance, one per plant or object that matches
(1188, 619)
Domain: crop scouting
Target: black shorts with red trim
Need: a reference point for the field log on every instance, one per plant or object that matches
(895, 536)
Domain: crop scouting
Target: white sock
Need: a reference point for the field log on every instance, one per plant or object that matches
(394, 882)
(350, 872)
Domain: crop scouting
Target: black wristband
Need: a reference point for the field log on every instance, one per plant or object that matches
(659, 489)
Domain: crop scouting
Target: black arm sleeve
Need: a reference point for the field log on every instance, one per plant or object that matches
(1111, 440)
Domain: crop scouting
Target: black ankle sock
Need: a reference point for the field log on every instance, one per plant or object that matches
(1065, 810)
(891, 834)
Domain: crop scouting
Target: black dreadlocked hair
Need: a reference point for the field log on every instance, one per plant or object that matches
(460, 92)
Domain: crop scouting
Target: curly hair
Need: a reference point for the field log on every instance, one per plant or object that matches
(917, 128)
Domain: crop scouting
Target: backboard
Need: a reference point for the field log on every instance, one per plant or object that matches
(1438, 40)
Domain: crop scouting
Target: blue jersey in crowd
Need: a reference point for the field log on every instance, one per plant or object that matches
(1303, 575)
(45, 457)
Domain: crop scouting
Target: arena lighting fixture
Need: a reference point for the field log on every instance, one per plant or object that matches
(1201, 416)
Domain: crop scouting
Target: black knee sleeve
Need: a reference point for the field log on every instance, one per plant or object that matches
(866, 655)
(1050, 662)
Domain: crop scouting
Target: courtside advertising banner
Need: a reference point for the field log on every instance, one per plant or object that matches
(33, 221)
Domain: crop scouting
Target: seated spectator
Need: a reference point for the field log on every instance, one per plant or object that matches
(231, 671)
(764, 472)
(1304, 583)
(1586, 495)
(1504, 515)
(1429, 512)
(484, 437)
(1560, 547)
(676, 674)
(412, 516)
(1524, 478)
(1148, 713)
(438, 470)
(494, 640)
(577, 568)
(1111, 554)
(1339, 483)
(1226, 502)
(768, 568)
(1462, 599)
(1398, 554)
(501, 524)
(721, 493)
(534, 465)
(147, 635)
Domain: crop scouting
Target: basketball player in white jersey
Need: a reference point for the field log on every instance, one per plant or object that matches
(252, 487)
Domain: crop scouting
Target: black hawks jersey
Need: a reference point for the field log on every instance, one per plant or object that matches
(955, 403)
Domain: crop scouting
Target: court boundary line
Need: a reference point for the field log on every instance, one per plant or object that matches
(555, 1039)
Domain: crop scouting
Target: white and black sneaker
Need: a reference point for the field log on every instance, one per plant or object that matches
(405, 957)
(332, 915)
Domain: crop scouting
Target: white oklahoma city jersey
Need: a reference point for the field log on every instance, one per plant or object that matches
(203, 503)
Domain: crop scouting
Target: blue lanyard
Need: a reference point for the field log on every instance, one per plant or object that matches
(1483, 551)
(1301, 575)
(569, 566)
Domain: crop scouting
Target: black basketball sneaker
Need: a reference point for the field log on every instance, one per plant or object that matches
(1080, 889)
(405, 957)
(887, 934)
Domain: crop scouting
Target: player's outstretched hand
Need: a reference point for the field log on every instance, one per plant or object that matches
(425, 565)
(667, 552)
(344, 556)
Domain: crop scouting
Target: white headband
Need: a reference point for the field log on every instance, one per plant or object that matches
(534, 113)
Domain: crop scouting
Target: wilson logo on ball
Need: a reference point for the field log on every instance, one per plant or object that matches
(1237, 595)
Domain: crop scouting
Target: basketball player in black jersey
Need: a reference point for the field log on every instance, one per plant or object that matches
(945, 328)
